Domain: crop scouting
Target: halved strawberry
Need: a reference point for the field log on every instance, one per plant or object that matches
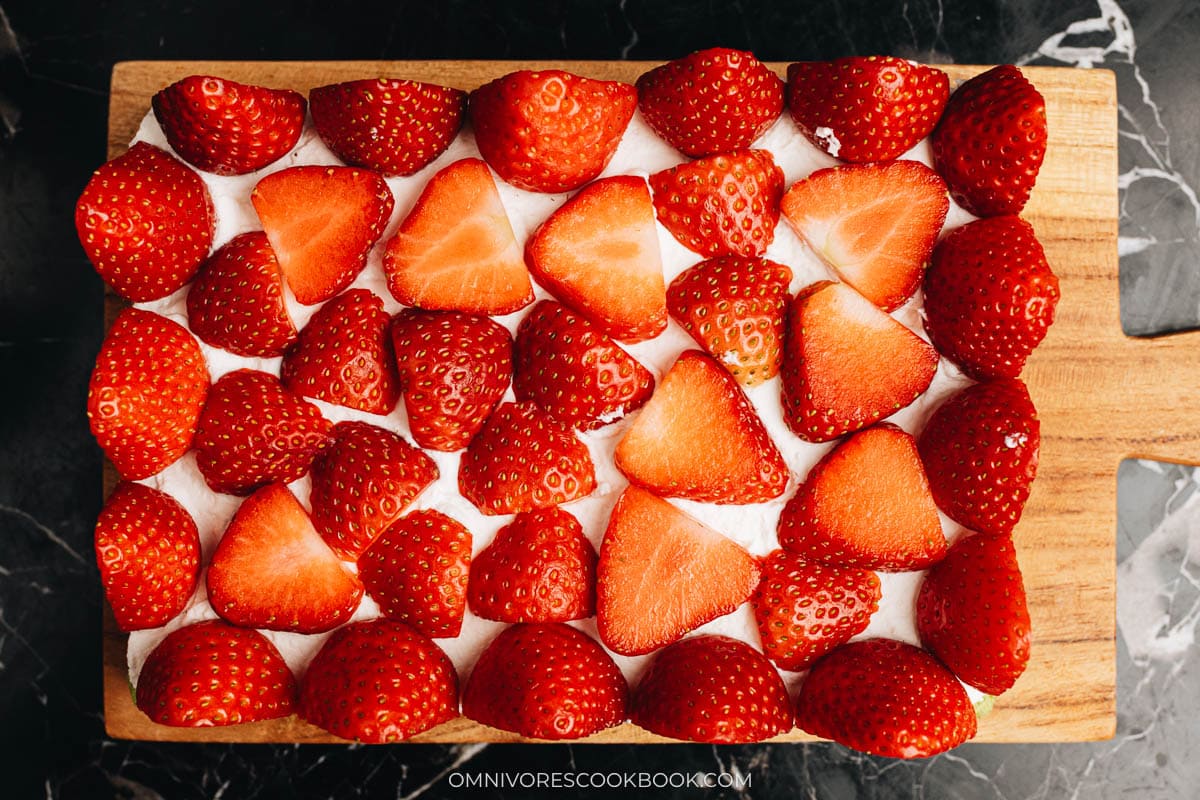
(148, 552)
(389, 125)
(700, 438)
(226, 127)
(846, 364)
(734, 308)
(550, 131)
(723, 205)
(712, 689)
(145, 222)
(272, 570)
(662, 573)
(363, 483)
(598, 254)
(456, 249)
(454, 368)
(539, 568)
(866, 109)
(344, 355)
(322, 222)
(874, 224)
(866, 504)
(146, 392)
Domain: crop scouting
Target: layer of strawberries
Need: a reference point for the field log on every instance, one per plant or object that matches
(871, 504)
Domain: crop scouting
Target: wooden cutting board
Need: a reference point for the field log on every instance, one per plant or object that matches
(1102, 397)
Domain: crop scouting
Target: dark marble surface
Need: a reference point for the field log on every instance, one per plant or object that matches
(55, 60)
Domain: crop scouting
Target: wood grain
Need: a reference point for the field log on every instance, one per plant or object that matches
(1101, 396)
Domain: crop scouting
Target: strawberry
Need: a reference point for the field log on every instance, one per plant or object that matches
(546, 681)
(734, 308)
(723, 205)
(539, 568)
(846, 364)
(254, 432)
(662, 573)
(711, 101)
(886, 698)
(272, 570)
(236, 302)
(146, 393)
(804, 609)
(700, 438)
(599, 255)
(226, 127)
(145, 222)
(363, 483)
(574, 372)
(866, 109)
(712, 689)
(454, 368)
(980, 451)
(991, 141)
(550, 131)
(322, 222)
(873, 224)
(417, 572)
(866, 504)
(456, 249)
(971, 613)
(344, 355)
(211, 673)
(379, 681)
(148, 551)
(524, 459)
(990, 296)
(392, 126)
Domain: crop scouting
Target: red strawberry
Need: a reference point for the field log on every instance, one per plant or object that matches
(991, 141)
(711, 101)
(454, 368)
(885, 698)
(866, 109)
(456, 249)
(363, 483)
(662, 573)
(598, 254)
(804, 609)
(389, 125)
(227, 127)
(146, 392)
(148, 551)
(550, 131)
(254, 432)
(712, 689)
(379, 681)
(546, 681)
(539, 568)
(573, 371)
(212, 673)
(723, 205)
(236, 302)
(734, 308)
(344, 355)
(874, 224)
(524, 459)
(417, 572)
(846, 364)
(322, 222)
(866, 504)
(990, 296)
(700, 438)
(145, 222)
